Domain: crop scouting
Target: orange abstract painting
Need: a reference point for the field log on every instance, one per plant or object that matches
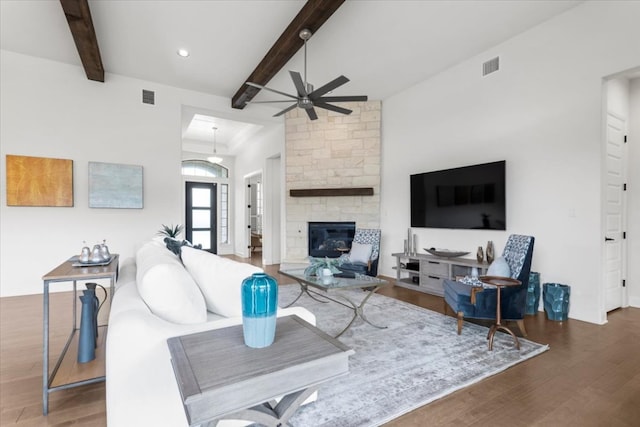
(39, 181)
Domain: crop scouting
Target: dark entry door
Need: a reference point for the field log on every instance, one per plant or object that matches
(200, 218)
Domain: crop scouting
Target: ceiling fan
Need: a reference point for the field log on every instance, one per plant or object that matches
(307, 98)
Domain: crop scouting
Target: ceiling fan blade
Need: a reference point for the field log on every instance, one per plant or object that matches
(355, 98)
(267, 102)
(311, 113)
(338, 81)
(271, 90)
(298, 83)
(289, 108)
(332, 108)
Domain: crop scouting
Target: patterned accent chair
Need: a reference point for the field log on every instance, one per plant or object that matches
(480, 303)
(363, 236)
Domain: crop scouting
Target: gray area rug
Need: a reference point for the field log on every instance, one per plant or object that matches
(419, 358)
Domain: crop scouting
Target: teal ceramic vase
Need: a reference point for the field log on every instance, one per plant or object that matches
(259, 308)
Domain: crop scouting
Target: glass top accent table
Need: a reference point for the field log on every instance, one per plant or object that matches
(333, 285)
(219, 377)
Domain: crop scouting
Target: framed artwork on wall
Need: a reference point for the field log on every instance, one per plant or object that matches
(114, 185)
(39, 181)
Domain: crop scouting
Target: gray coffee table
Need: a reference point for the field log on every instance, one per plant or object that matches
(335, 285)
(219, 377)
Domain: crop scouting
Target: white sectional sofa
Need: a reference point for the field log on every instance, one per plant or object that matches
(158, 297)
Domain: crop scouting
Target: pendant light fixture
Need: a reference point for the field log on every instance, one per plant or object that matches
(214, 158)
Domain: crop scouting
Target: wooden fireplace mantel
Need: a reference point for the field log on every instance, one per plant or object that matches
(331, 192)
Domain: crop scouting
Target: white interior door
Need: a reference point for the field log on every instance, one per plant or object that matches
(614, 213)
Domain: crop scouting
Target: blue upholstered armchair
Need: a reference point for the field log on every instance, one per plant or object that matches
(480, 303)
(364, 253)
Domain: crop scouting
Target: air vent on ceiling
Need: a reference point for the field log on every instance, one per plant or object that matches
(148, 97)
(490, 66)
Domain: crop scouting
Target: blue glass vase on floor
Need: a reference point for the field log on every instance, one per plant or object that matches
(259, 308)
(556, 301)
(533, 293)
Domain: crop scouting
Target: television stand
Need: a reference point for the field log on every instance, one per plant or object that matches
(427, 272)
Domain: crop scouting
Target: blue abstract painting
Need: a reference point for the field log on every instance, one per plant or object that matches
(114, 185)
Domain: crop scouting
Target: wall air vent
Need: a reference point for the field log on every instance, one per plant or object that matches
(148, 97)
(490, 66)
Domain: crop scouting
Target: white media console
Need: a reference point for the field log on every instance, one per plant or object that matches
(425, 273)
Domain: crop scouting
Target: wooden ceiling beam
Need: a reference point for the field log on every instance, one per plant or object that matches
(312, 15)
(84, 35)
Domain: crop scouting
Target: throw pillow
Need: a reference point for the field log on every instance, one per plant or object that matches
(166, 287)
(499, 267)
(219, 279)
(174, 245)
(360, 252)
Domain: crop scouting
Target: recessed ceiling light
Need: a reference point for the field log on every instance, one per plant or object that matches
(183, 53)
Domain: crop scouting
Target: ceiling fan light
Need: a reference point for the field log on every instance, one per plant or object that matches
(214, 159)
(183, 53)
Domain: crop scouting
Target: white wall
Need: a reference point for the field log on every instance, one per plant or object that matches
(542, 113)
(633, 196)
(50, 109)
(273, 213)
(268, 143)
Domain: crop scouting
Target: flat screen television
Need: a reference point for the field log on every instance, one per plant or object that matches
(470, 197)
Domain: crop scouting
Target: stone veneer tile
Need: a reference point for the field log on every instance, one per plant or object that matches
(335, 151)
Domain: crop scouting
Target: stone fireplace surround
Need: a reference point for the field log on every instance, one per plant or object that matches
(335, 151)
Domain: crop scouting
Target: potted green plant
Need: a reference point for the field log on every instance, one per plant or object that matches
(170, 231)
(318, 264)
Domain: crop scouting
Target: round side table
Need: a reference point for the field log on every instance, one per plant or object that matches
(499, 283)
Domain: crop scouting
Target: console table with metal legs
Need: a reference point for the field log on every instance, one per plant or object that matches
(88, 373)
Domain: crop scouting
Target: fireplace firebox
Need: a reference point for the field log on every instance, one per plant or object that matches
(330, 239)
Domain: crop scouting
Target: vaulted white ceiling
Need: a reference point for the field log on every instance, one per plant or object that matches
(383, 47)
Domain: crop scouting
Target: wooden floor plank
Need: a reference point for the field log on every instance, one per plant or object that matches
(589, 377)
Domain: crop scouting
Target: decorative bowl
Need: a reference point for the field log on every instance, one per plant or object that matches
(445, 253)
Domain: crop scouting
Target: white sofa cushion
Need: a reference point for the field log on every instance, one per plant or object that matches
(166, 287)
(220, 279)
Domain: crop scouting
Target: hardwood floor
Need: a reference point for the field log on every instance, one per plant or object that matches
(590, 377)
